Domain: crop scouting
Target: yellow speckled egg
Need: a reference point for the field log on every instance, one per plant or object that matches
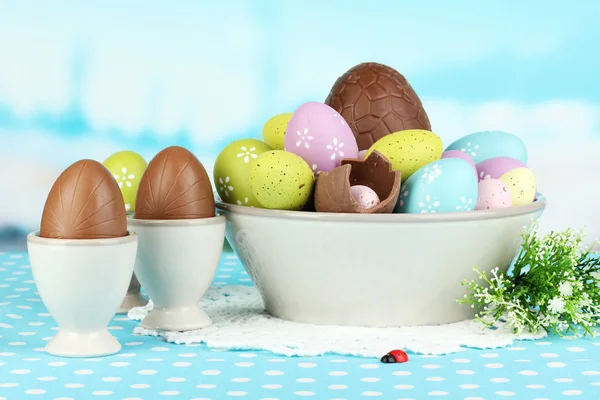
(409, 150)
(522, 184)
(281, 180)
(274, 130)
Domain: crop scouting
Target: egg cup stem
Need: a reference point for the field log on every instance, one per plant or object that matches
(83, 344)
(176, 319)
(132, 300)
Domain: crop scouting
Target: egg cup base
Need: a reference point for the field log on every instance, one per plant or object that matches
(176, 319)
(132, 300)
(83, 344)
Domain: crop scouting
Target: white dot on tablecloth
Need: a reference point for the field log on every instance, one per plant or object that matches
(102, 393)
(154, 359)
(404, 387)
(147, 372)
(247, 355)
(402, 373)
(435, 379)
(169, 393)
(535, 386)
(461, 360)
(563, 380)
(438, 393)
(46, 378)
(139, 386)
(277, 360)
(215, 359)
(181, 364)
(57, 364)
(305, 380)
(494, 365)
(14, 316)
(432, 366)
(7, 354)
(31, 359)
(528, 372)
(307, 365)
(499, 380)
(304, 393)
(237, 393)
(134, 343)
(556, 364)
(20, 371)
(369, 366)
(370, 379)
(119, 364)
(465, 372)
(84, 372)
(549, 355)
(338, 360)
(73, 385)
(187, 355)
(244, 364)
(338, 373)
(3, 325)
(272, 386)
(576, 349)
(111, 379)
(35, 391)
(590, 373)
(274, 373)
(505, 393)
(241, 380)
(371, 394)
(542, 343)
(8, 385)
(490, 355)
(211, 372)
(572, 392)
(160, 349)
(468, 386)
(118, 355)
(206, 386)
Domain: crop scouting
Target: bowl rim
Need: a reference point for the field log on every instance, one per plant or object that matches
(217, 219)
(34, 238)
(481, 215)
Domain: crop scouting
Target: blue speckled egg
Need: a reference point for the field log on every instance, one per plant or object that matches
(446, 185)
(484, 145)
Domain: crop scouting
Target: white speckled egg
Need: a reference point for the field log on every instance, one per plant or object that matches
(493, 194)
(484, 145)
(446, 185)
(364, 196)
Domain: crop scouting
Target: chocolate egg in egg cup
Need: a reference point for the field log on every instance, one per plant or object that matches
(82, 259)
(359, 186)
(180, 239)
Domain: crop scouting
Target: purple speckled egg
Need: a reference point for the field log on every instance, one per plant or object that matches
(320, 136)
(496, 167)
(515, 174)
(460, 154)
(364, 196)
(493, 194)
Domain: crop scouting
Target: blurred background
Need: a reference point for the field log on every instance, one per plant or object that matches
(86, 79)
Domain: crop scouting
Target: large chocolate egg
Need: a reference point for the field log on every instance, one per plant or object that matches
(175, 186)
(85, 202)
(376, 100)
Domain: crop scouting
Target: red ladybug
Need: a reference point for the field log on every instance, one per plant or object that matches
(395, 356)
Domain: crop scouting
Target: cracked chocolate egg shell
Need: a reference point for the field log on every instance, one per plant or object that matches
(175, 185)
(85, 202)
(376, 100)
(333, 193)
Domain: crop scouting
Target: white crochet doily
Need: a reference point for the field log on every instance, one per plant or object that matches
(240, 323)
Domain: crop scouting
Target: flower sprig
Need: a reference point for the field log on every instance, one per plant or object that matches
(554, 285)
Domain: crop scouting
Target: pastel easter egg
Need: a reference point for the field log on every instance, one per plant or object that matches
(274, 130)
(519, 178)
(281, 180)
(460, 154)
(364, 196)
(231, 172)
(127, 167)
(443, 186)
(481, 146)
(320, 136)
(409, 150)
(493, 194)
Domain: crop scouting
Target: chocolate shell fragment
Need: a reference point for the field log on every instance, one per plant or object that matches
(332, 192)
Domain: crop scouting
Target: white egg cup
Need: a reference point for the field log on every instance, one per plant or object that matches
(176, 263)
(82, 282)
(133, 298)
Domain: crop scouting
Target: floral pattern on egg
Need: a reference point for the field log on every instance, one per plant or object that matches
(443, 186)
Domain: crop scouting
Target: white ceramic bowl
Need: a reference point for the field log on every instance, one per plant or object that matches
(375, 270)
(82, 283)
(176, 262)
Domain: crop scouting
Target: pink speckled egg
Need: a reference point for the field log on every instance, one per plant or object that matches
(493, 194)
(320, 136)
(515, 174)
(459, 154)
(364, 196)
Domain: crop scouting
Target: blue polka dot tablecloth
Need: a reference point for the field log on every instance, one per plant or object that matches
(148, 368)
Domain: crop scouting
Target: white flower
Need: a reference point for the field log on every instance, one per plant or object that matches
(470, 150)
(428, 206)
(247, 153)
(124, 179)
(465, 204)
(556, 305)
(225, 186)
(303, 138)
(483, 176)
(431, 173)
(402, 196)
(565, 289)
(337, 149)
(315, 170)
(239, 202)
